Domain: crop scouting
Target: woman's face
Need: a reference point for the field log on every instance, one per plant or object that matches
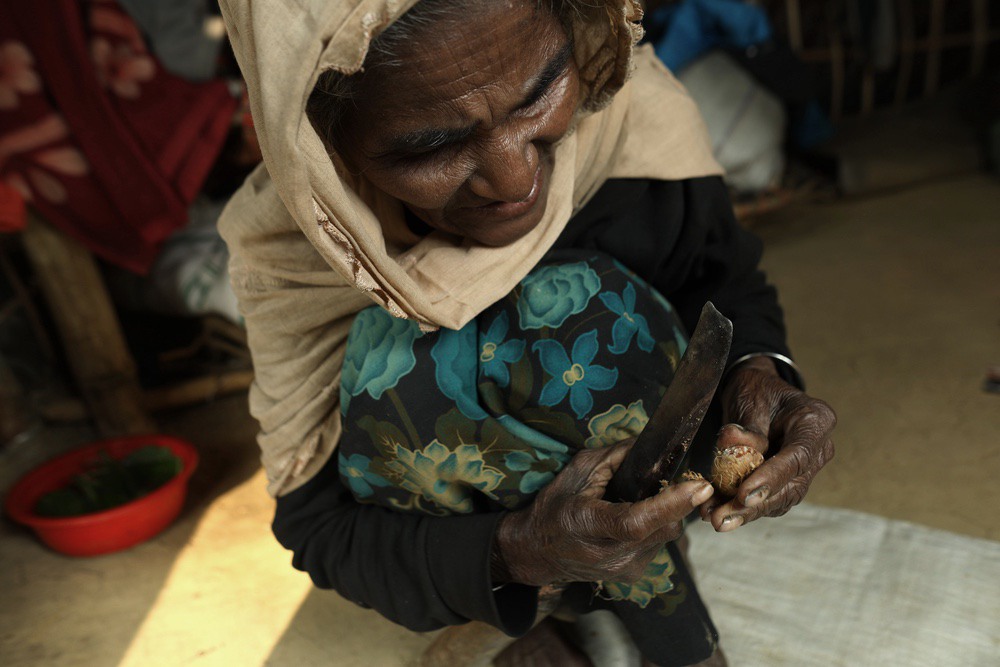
(462, 132)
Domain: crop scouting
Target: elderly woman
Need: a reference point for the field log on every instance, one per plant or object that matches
(466, 267)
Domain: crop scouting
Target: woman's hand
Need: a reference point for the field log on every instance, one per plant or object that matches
(570, 534)
(790, 428)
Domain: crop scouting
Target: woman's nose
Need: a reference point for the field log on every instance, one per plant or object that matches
(507, 167)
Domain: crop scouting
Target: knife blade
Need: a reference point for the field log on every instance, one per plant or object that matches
(661, 446)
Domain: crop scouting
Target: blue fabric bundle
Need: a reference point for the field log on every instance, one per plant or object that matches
(684, 31)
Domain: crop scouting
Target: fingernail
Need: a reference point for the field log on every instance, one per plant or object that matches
(703, 493)
(738, 427)
(757, 496)
(731, 522)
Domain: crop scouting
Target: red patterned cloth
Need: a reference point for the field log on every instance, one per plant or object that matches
(95, 134)
(11, 209)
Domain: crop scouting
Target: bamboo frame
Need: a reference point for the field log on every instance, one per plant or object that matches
(944, 42)
(842, 57)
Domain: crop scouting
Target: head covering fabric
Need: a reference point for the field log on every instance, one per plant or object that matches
(312, 245)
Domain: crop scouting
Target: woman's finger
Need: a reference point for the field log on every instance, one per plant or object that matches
(774, 488)
(753, 395)
(732, 515)
(641, 519)
(590, 470)
(738, 435)
(805, 446)
(607, 462)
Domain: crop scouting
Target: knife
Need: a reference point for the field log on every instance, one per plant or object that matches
(660, 448)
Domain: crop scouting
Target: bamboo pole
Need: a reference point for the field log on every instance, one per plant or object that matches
(198, 390)
(981, 35)
(179, 395)
(868, 91)
(932, 75)
(794, 15)
(88, 326)
(837, 76)
(907, 49)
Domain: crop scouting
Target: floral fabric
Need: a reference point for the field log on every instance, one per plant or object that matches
(482, 418)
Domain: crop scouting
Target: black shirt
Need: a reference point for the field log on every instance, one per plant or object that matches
(428, 572)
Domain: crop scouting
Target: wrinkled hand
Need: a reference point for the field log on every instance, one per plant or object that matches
(570, 534)
(789, 427)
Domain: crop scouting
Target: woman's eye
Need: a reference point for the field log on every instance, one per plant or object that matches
(535, 99)
(542, 93)
(423, 154)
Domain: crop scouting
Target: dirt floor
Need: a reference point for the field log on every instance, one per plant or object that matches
(893, 308)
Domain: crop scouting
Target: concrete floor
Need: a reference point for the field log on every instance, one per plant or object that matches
(893, 307)
(893, 310)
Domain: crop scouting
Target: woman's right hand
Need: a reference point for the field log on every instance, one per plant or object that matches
(569, 533)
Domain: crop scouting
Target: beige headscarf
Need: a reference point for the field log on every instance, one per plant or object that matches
(311, 247)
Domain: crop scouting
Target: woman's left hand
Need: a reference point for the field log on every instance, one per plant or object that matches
(791, 428)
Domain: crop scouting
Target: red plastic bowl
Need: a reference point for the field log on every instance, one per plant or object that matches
(111, 530)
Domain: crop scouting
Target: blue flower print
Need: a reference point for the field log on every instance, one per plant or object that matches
(655, 581)
(573, 375)
(495, 353)
(448, 478)
(533, 480)
(518, 461)
(455, 364)
(629, 324)
(379, 354)
(542, 444)
(552, 293)
(359, 477)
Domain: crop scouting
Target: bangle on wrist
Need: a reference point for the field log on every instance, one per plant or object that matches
(789, 365)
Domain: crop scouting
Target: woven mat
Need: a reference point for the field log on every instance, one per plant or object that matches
(830, 587)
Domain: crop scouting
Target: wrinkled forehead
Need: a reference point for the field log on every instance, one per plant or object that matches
(500, 45)
(447, 30)
(603, 34)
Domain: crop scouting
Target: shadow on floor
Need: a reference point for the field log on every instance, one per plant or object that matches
(329, 630)
(117, 590)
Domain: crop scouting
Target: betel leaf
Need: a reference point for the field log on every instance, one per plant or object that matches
(151, 467)
(62, 502)
(109, 482)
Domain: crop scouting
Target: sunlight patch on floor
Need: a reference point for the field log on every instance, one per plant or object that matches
(233, 581)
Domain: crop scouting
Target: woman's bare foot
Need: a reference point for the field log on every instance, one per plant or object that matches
(543, 646)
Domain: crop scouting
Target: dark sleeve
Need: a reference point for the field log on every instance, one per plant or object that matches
(683, 239)
(419, 571)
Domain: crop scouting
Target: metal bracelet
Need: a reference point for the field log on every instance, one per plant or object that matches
(773, 355)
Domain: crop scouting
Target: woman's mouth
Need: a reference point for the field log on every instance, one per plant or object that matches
(501, 223)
